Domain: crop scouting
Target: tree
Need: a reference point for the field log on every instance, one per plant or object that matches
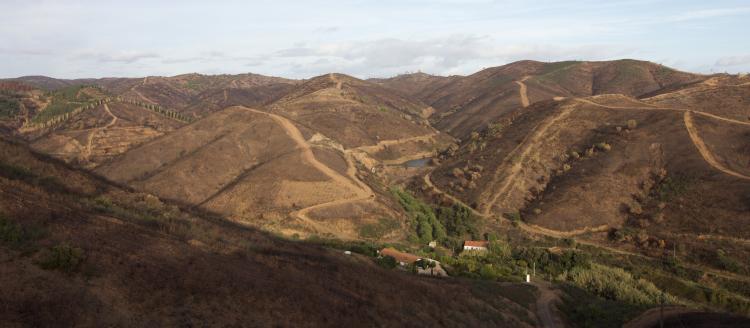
(388, 262)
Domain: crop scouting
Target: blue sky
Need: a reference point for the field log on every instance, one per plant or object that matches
(300, 39)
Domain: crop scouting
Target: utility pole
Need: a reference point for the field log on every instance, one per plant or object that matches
(533, 265)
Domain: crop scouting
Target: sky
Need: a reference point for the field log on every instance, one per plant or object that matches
(377, 38)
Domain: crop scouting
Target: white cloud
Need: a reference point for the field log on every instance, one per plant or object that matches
(128, 57)
(733, 61)
(458, 54)
(708, 13)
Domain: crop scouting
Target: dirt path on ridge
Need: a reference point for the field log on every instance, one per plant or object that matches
(526, 149)
(523, 91)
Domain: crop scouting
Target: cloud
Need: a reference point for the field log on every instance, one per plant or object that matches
(327, 29)
(457, 54)
(121, 57)
(708, 13)
(733, 61)
(26, 52)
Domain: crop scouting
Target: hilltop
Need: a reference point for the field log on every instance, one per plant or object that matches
(465, 104)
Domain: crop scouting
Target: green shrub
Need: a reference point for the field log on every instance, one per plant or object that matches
(62, 257)
(617, 284)
(423, 219)
(458, 221)
(388, 262)
(8, 107)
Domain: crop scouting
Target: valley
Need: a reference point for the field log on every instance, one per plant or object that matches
(620, 184)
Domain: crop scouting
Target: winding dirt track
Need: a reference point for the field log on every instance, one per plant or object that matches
(523, 92)
(360, 190)
(140, 95)
(708, 156)
(90, 139)
(700, 145)
(533, 229)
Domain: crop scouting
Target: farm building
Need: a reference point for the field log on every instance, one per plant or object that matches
(475, 245)
(404, 259)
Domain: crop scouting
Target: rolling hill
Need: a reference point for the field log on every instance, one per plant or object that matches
(465, 104)
(99, 255)
(623, 170)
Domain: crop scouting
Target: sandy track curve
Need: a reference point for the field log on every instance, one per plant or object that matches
(384, 143)
(92, 134)
(523, 91)
(360, 189)
(708, 156)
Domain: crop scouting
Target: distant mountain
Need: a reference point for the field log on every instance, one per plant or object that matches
(466, 104)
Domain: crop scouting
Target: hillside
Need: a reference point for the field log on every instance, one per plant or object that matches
(193, 95)
(418, 85)
(98, 255)
(367, 112)
(256, 168)
(105, 131)
(197, 95)
(466, 104)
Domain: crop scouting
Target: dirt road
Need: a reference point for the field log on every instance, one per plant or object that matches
(384, 143)
(526, 149)
(708, 156)
(92, 134)
(522, 91)
(359, 189)
(545, 305)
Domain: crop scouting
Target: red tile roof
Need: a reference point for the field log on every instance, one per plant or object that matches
(476, 243)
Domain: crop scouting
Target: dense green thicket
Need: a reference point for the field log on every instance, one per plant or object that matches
(448, 225)
(617, 284)
(422, 217)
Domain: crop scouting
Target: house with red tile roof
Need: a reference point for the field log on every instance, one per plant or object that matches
(405, 258)
(476, 245)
